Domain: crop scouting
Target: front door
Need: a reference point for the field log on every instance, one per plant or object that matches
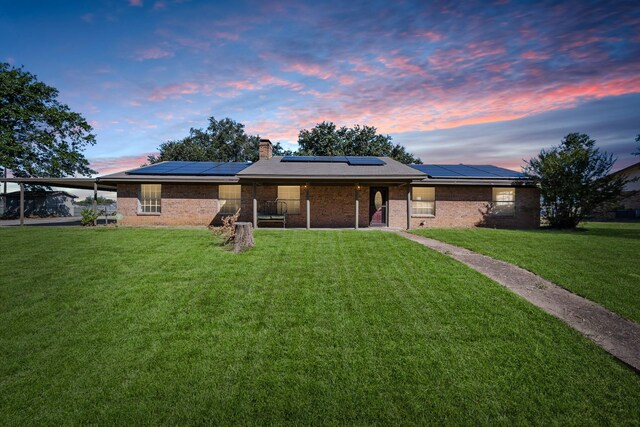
(378, 201)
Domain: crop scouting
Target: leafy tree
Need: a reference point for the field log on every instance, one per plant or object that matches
(39, 136)
(637, 152)
(574, 179)
(222, 141)
(88, 201)
(325, 139)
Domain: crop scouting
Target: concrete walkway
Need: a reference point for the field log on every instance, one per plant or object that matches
(618, 336)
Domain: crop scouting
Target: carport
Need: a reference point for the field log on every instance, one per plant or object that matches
(75, 183)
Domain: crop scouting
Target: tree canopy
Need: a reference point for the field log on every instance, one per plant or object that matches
(39, 136)
(637, 152)
(574, 179)
(222, 141)
(88, 201)
(325, 139)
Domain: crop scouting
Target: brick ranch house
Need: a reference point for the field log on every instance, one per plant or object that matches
(325, 192)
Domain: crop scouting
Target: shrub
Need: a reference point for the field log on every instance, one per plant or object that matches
(89, 217)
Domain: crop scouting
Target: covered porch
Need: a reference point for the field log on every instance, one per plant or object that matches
(321, 204)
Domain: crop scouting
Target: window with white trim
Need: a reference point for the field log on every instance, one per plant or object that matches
(290, 194)
(150, 198)
(504, 201)
(423, 201)
(230, 198)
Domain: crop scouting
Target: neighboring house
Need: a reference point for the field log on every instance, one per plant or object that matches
(39, 204)
(316, 192)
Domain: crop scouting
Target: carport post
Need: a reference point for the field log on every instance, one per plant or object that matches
(408, 207)
(255, 207)
(95, 203)
(308, 207)
(21, 203)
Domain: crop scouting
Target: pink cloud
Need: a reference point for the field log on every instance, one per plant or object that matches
(243, 85)
(312, 70)
(262, 81)
(135, 3)
(174, 90)
(533, 55)
(499, 67)
(158, 5)
(166, 116)
(107, 165)
(431, 35)
(404, 64)
(363, 67)
(153, 53)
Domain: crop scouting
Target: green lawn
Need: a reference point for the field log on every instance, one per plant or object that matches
(601, 261)
(159, 326)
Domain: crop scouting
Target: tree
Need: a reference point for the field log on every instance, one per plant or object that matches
(39, 136)
(637, 152)
(574, 179)
(325, 139)
(88, 201)
(222, 141)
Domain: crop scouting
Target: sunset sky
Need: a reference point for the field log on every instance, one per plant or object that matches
(486, 82)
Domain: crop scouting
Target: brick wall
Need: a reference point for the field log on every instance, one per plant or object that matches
(398, 206)
(458, 206)
(182, 204)
(331, 206)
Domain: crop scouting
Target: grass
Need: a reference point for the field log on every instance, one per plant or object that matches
(159, 326)
(599, 262)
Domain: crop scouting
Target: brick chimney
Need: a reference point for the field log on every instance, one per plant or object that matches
(265, 150)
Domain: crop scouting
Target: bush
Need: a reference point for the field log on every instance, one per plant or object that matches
(89, 217)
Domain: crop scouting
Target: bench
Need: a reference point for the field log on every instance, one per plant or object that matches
(272, 211)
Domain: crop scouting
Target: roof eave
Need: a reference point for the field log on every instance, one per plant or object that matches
(332, 178)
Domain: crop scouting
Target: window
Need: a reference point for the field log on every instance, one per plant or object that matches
(424, 200)
(230, 198)
(150, 195)
(290, 194)
(504, 201)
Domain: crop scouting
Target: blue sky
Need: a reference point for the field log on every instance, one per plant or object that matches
(475, 82)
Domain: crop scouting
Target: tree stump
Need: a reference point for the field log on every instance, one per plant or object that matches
(244, 237)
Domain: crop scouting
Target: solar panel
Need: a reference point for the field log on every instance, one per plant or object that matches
(364, 161)
(298, 158)
(467, 171)
(502, 172)
(192, 168)
(351, 160)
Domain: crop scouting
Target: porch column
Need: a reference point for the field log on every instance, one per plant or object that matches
(409, 207)
(308, 207)
(357, 206)
(95, 202)
(255, 207)
(21, 203)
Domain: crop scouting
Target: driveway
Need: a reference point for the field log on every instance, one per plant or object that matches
(42, 222)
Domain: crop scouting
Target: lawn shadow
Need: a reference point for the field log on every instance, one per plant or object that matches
(622, 232)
